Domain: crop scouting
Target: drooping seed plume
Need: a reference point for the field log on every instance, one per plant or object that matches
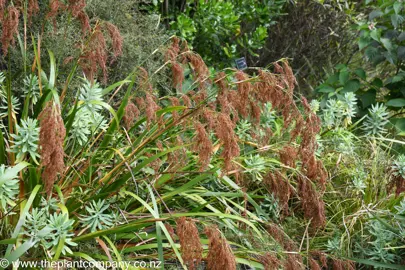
(9, 28)
(33, 9)
(312, 203)
(116, 38)
(190, 245)
(131, 113)
(280, 188)
(95, 55)
(225, 131)
(54, 7)
(270, 262)
(51, 137)
(220, 254)
(203, 145)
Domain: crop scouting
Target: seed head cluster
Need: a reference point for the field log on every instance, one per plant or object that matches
(51, 137)
(190, 245)
(220, 254)
(94, 54)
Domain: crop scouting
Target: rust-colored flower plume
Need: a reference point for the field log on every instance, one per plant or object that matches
(9, 28)
(203, 145)
(51, 137)
(220, 254)
(190, 245)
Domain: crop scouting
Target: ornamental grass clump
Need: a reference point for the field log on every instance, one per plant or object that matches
(233, 149)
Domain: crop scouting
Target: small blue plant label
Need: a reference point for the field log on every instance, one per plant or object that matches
(241, 63)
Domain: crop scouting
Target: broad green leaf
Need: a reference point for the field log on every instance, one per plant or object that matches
(401, 36)
(386, 43)
(377, 82)
(351, 86)
(375, 14)
(363, 43)
(332, 79)
(397, 7)
(326, 89)
(399, 124)
(361, 73)
(343, 76)
(397, 102)
(396, 20)
(368, 98)
(375, 34)
(401, 52)
(340, 67)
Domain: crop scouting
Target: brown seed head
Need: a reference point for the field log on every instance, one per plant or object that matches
(84, 22)
(225, 131)
(151, 108)
(52, 135)
(314, 264)
(33, 8)
(178, 75)
(293, 262)
(199, 67)
(288, 155)
(244, 89)
(3, 4)
(190, 245)
(321, 257)
(76, 6)
(220, 254)
(95, 55)
(270, 262)
(312, 203)
(187, 101)
(54, 7)
(343, 265)
(175, 102)
(131, 113)
(203, 145)
(281, 188)
(116, 38)
(9, 28)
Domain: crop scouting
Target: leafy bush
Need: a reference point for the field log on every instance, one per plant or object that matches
(375, 74)
(222, 31)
